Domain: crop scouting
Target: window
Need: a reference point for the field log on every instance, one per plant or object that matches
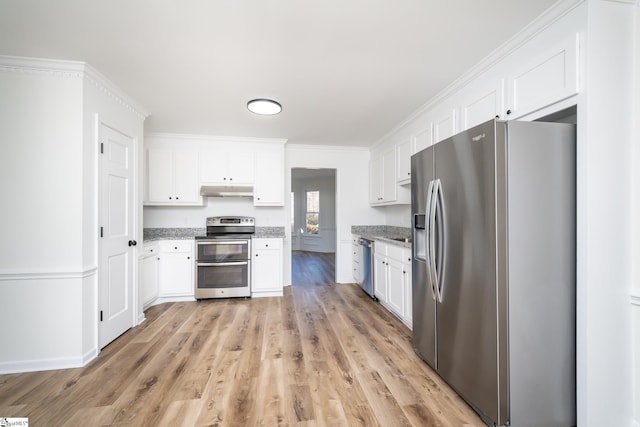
(313, 211)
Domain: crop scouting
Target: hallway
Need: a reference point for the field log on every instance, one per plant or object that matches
(312, 268)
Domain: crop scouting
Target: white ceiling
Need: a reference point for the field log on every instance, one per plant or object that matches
(345, 71)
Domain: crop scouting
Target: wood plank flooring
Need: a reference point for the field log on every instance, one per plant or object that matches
(324, 354)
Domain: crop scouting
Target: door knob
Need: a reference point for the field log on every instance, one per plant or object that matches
(132, 243)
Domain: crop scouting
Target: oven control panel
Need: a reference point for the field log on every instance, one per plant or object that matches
(230, 221)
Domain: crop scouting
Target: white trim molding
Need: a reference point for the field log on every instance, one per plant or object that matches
(70, 69)
(49, 275)
(46, 364)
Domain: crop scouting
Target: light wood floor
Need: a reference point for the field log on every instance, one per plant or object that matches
(320, 356)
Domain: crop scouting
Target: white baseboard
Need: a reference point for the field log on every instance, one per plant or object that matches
(48, 364)
(161, 300)
(266, 294)
(41, 365)
(141, 318)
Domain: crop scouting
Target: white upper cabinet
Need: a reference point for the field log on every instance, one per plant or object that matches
(421, 140)
(481, 102)
(548, 77)
(403, 155)
(172, 177)
(445, 125)
(226, 167)
(383, 184)
(178, 165)
(269, 178)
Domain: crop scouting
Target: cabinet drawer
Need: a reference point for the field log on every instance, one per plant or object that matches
(266, 243)
(395, 252)
(149, 250)
(176, 246)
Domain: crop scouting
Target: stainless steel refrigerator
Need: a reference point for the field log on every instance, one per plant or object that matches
(493, 217)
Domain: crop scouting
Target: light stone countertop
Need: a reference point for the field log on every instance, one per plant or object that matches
(385, 233)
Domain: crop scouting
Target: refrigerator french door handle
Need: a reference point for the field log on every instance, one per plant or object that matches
(429, 232)
(439, 243)
(431, 259)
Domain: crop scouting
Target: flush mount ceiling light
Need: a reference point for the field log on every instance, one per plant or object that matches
(266, 107)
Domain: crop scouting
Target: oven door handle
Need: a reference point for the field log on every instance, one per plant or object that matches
(220, 264)
(226, 242)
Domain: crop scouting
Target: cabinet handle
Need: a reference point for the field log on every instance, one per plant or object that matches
(177, 197)
(256, 254)
(266, 246)
(188, 257)
(408, 173)
(230, 179)
(508, 112)
(175, 247)
(170, 198)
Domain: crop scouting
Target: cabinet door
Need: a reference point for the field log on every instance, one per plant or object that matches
(444, 126)
(176, 269)
(389, 175)
(149, 282)
(213, 167)
(269, 180)
(160, 176)
(548, 78)
(403, 155)
(380, 284)
(266, 266)
(375, 181)
(187, 184)
(241, 167)
(408, 294)
(395, 287)
(422, 140)
(482, 104)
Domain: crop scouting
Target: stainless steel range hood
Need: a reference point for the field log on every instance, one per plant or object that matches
(226, 191)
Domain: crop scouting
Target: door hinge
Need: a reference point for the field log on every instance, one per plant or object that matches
(101, 231)
(102, 148)
(101, 315)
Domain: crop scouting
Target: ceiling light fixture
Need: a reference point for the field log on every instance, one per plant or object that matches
(266, 107)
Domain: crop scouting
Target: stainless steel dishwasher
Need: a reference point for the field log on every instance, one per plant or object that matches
(366, 262)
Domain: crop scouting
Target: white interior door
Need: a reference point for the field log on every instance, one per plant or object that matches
(116, 247)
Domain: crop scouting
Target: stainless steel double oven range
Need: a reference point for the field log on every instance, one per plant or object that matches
(223, 258)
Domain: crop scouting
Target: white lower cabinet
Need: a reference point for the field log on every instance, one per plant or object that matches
(148, 263)
(392, 279)
(175, 269)
(266, 267)
(380, 272)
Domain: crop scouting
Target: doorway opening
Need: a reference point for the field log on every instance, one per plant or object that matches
(313, 226)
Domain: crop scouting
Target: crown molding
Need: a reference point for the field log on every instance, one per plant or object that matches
(307, 147)
(214, 138)
(546, 19)
(70, 69)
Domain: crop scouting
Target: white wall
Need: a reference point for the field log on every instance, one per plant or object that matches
(604, 221)
(352, 197)
(41, 259)
(635, 197)
(195, 216)
(49, 219)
